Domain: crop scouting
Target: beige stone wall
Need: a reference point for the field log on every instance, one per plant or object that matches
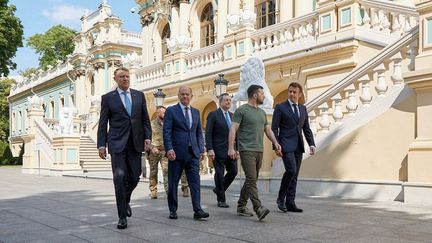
(375, 151)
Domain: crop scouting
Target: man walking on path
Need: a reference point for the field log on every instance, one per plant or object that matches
(183, 141)
(250, 124)
(217, 131)
(290, 119)
(125, 110)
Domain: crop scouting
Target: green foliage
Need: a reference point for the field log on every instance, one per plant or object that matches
(11, 37)
(26, 73)
(5, 86)
(6, 157)
(54, 45)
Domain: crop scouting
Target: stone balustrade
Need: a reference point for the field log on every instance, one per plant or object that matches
(152, 72)
(51, 123)
(40, 77)
(387, 17)
(130, 38)
(366, 84)
(205, 56)
(44, 139)
(291, 32)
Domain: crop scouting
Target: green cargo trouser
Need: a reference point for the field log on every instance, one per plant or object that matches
(251, 162)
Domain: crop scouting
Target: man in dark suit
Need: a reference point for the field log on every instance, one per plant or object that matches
(217, 131)
(129, 135)
(183, 141)
(290, 119)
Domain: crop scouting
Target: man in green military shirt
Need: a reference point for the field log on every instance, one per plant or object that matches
(157, 155)
(250, 124)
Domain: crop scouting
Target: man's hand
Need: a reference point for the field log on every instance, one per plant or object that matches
(171, 155)
(278, 150)
(312, 150)
(202, 156)
(211, 154)
(232, 154)
(155, 150)
(147, 143)
(102, 153)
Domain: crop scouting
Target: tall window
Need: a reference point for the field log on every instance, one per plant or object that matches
(44, 109)
(166, 34)
(207, 26)
(62, 102)
(13, 122)
(92, 85)
(266, 13)
(52, 109)
(20, 121)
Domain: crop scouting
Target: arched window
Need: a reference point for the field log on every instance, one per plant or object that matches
(166, 34)
(266, 13)
(207, 26)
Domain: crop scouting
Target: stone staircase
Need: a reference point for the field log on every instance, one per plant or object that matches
(89, 157)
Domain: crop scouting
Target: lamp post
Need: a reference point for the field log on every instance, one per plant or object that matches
(159, 97)
(221, 85)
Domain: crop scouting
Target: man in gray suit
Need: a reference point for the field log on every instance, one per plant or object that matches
(125, 110)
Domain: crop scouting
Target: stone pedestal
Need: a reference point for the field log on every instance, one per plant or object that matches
(66, 153)
(418, 190)
(30, 163)
(419, 187)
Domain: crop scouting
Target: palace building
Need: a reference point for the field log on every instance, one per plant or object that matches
(366, 68)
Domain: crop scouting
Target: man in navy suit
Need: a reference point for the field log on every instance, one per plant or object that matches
(290, 119)
(217, 131)
(183, 141)
(129, 134)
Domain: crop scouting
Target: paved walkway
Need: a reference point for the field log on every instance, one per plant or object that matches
(71, 209)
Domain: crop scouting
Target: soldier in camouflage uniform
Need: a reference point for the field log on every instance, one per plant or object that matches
(157, 154)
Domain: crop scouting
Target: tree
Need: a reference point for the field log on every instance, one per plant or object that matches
(54, 45)
(26, 73)
(5, 86)
(11, 37)
(5, 153)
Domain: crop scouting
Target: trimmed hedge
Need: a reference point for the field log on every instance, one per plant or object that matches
(6, 157)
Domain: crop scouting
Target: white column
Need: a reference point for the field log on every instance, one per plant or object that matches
(175, 22)
(285, 10)
(184, 11)
(233, 6)
(302, 7)
(249, 4)
(222, 28)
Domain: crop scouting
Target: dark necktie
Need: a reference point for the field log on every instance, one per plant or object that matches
(296, 111)
(186, 113)
(227, 120)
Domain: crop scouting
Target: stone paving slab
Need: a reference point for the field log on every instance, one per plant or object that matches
(76, 209)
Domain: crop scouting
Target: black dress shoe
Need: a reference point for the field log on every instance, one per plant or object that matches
(281, 206)
(173, 215)
(128, 211)
(292, 207)
(200, 214)
(122, 224)
(223, 205)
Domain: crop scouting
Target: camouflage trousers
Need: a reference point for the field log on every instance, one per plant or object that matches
(154, 160)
